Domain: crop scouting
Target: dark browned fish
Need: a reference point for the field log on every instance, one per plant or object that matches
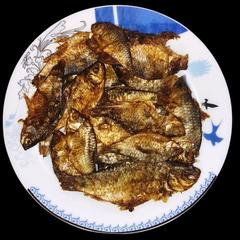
(73, 53)
(132, 183)
(110, 43)
(44, 109)
(142, 116)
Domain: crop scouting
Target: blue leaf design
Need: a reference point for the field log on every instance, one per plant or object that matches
(199, 68)
(212, 136)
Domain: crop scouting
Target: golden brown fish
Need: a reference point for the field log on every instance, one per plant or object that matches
(156, 61)
(85, 91)
(112, 158)
(147, 146)
(135, 37)
(107, 130)
(111, 77)
(132, 183)
(44, 146)
(185, 107)
(142, 116)
(110, 43)
(60, 155)
(73, 53)
(156, 85)
(123, 94)
(44, 109)
(81, 142)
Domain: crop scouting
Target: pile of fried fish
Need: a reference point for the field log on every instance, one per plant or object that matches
(119, 125)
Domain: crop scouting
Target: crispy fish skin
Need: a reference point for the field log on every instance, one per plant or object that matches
(142, 116)
(156, 61)
(185, 107)
(44, 110)
(135, 37)
(81, 142)
(147, 146)
(155, 85)
(85, 92)
(112, 158)
(111, 77)
(44, 146)
(73, 53)
(110, 42)
(107, 130)
(122, 94)
(60, 155)
(132, 183)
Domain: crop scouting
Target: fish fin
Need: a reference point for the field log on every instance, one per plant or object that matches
(27, 100)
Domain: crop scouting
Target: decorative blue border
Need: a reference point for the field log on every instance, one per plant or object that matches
(84, 223)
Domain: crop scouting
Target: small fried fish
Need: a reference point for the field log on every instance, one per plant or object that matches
(156, 61)
(107, 130)
(156, 85)
(111, 77)
(44, 110)
(185, 107)
(110, 43)
(147, 146)
(122, 94)
(60, 155)
(142, 116)
(135, 37)
(112, 158)
(81, 142)
(73, 53)
(132, 183)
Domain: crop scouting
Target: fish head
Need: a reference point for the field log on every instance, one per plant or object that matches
(74, 121)
(96, 73)
(29, 136)
(182, 178)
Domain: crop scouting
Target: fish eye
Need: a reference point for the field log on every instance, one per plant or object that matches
(27, 141)
(75, 115)
(96, 69)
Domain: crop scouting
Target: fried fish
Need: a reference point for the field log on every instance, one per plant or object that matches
(133, 183)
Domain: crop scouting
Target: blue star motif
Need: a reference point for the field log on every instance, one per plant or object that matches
(213, 135)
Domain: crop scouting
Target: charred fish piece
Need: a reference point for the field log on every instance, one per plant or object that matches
(44, 109)
(142, 116)
(81, 142)
(110, 43)
(132, 183)
(186, 108)
(73, 53)
(44, 146)
(147, 146)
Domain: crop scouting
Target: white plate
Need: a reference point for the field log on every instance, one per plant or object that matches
(36, 174)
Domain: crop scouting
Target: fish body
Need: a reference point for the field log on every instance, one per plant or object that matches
(156, 61)
(135, 37)
(107, 130)
(44, 110)
(110, 43)
(111, 77)
(142, 116)
(156, 85)
(123, 94)
(132, 183)
(185, 107)
(73, 53)
(85, 92)
(147, 146)
(81, 142)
